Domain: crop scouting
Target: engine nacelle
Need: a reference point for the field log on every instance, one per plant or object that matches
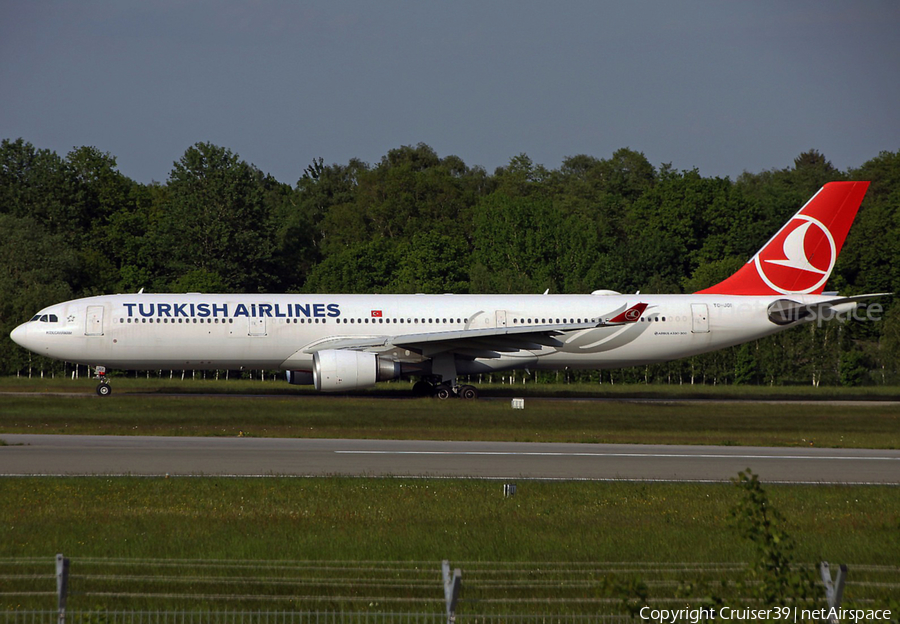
(336, 370)
(299, 377)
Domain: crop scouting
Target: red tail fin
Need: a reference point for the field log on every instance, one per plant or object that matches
(800, 257)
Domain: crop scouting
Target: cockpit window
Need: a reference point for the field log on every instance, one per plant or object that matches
(45, 318)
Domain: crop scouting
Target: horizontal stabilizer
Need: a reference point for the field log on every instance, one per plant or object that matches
(786, 311)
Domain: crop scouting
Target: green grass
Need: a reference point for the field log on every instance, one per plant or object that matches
(542, 420)
(274, 384)
(139, 538)
(420, 522)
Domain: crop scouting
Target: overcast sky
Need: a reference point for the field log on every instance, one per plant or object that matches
(721, 86)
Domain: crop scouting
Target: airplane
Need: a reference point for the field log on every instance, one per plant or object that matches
(347, 342)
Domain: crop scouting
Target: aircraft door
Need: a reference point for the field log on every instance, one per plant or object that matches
(700, 318)
(501, 318)
(93, 324)
(258, 326)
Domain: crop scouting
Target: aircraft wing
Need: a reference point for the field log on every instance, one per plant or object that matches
(489, 342)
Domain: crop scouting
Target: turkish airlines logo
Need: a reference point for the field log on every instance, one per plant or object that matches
(800, 257)
(632, 314)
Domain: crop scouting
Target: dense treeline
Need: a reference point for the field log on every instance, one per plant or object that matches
(74, 226)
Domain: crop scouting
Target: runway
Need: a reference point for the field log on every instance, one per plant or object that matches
(76, 455)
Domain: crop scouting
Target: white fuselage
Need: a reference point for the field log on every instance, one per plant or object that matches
(196, 331)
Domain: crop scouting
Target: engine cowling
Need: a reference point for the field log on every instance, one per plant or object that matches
(335, 370)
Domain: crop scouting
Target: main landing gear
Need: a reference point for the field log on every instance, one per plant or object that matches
(443, 390)
(103, 388)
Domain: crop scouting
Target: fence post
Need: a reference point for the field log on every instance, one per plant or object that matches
(834, 590)
(62, 585)
(452, 586)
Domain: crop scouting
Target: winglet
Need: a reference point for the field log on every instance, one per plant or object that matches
(800, 257)
(631, 315)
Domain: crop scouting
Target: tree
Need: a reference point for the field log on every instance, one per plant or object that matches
(36, 268)
(104, 197)
(774, 577)
(37, 184)
(365, 268)
(516, 245)
(327, 195)
(215, 222)
(852, 368)
(745, 369)
(433, 263)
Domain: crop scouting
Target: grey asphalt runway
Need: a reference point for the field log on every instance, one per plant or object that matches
(27, 454)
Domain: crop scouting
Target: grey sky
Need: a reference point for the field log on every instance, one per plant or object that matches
(722, 86)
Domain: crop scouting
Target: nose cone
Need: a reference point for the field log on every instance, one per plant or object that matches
(20, 335)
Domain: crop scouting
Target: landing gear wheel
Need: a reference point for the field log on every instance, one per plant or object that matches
(443, 392)
(422, 389)
(467, 392)
(104, 389)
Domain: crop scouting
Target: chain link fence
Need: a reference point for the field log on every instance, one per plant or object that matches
(96, 590)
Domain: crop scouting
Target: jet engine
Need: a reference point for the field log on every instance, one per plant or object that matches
(336, 370)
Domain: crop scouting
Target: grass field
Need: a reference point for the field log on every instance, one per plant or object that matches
(600, 533)
(275, 385)
(364, 544)
(139, 407)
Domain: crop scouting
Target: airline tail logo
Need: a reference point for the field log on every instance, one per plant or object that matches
(800, 257)
(631, 315)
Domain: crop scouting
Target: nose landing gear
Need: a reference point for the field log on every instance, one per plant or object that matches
(103, 388)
